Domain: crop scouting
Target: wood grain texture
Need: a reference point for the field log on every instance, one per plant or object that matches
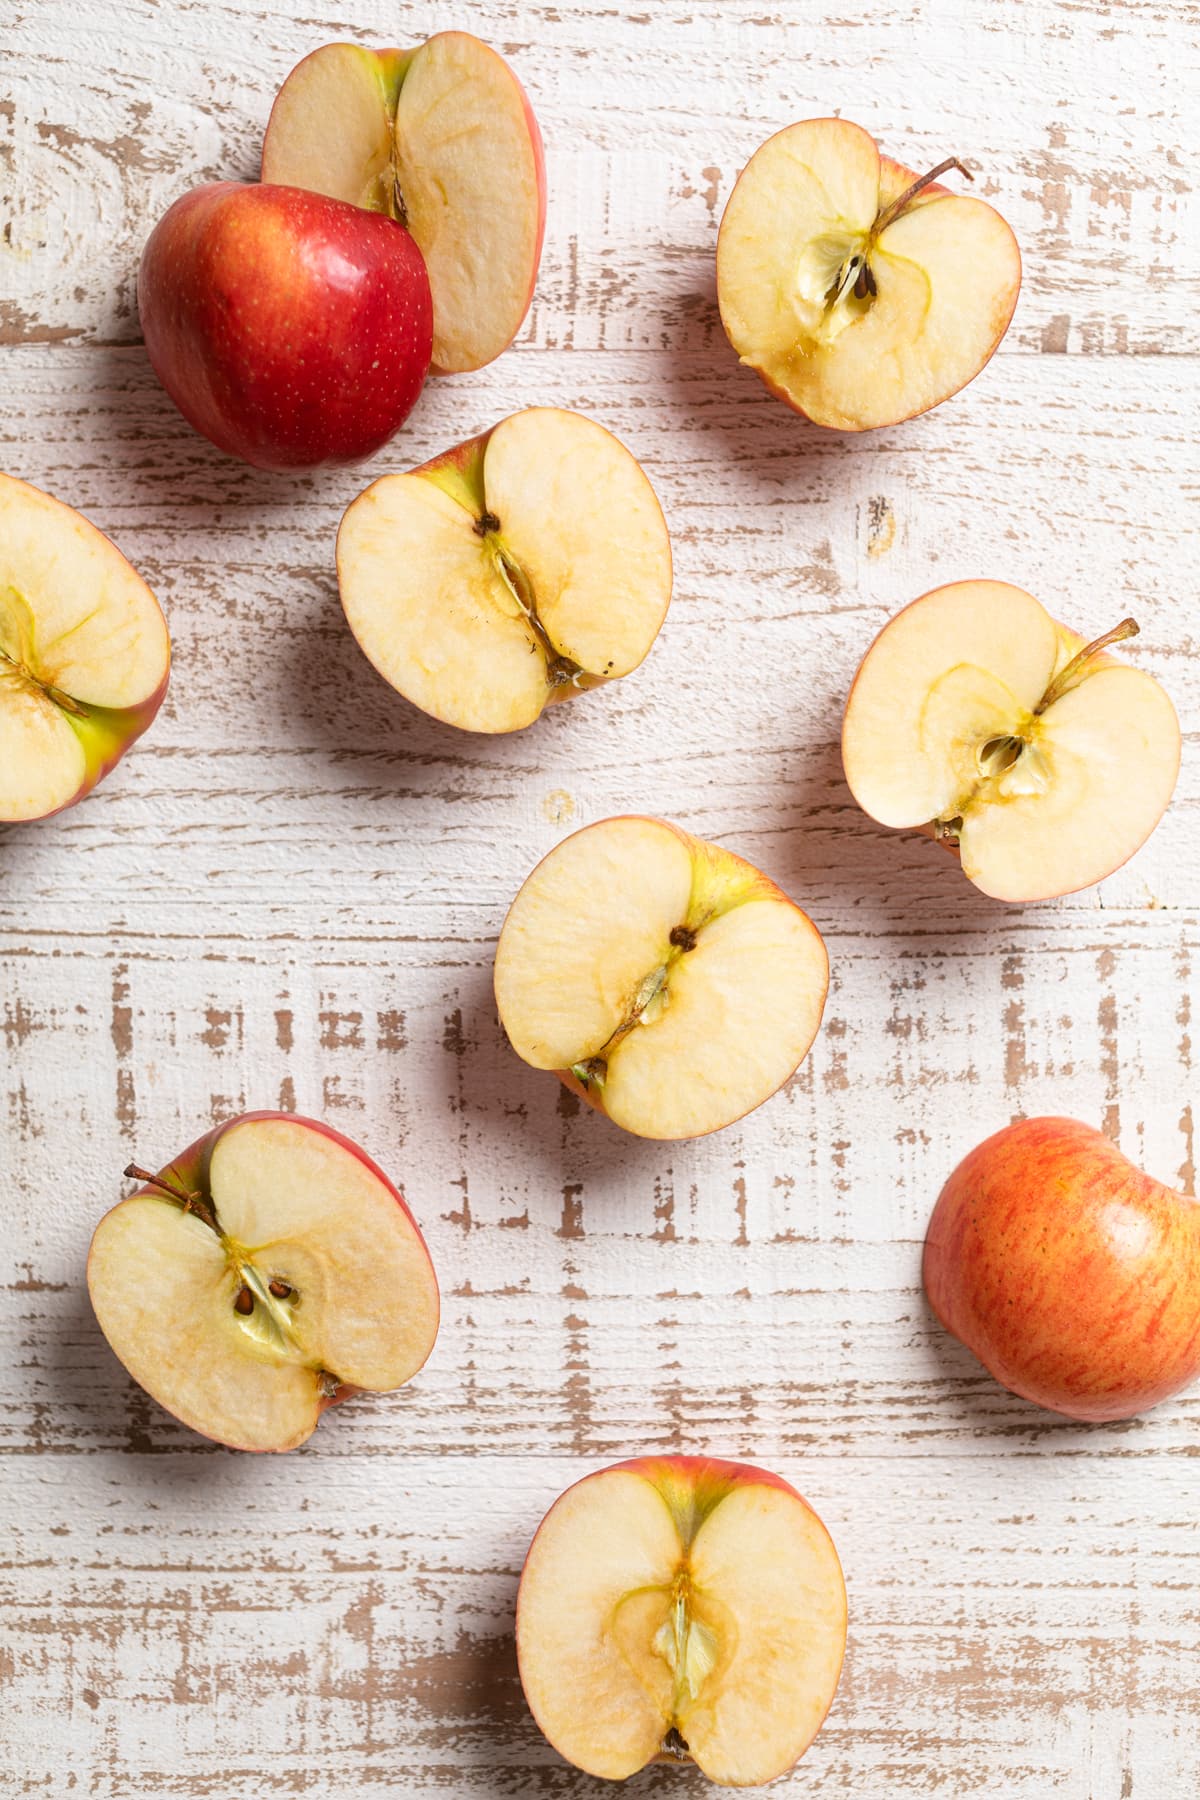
(289, 894)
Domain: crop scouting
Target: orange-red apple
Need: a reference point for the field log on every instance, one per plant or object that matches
(1074, 1277)
(268, 1272)
(861, 292)
(681, 1609)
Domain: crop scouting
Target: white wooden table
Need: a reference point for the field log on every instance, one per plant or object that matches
(289, 893)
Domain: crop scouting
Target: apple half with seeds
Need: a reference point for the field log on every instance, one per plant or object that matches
(681, 1609)
(861, 292)
(518, 569)
(1038, 758)
(84, 654)
(267, 1273)
(443, 139)
(663, 979)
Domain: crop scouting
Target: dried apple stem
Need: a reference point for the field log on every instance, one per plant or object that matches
(1071, 674)
(193, 1203)
(892, 211)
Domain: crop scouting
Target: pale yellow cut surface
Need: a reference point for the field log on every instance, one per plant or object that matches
(467, 164)
(298, 1207)
(947, 271)
(75, 617)
(743, 1009)
(947, 722)
(680, 985)
(600, 1631)
(330, 129)
(465, 581)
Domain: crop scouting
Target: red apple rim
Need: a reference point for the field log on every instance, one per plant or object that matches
(1038, 757)
(443, 139)
(521, 568)
(266, 1273)
(681, 1609)
(862, 292)
(1073, 1276)
(84, 654)
(665, 980)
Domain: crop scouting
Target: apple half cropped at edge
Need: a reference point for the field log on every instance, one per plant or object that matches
(663, 979)
(861, 293)
(265, 1274)
(443, 139)
(684, 1609)
(1072, 1276)
(290, 329)
(522, 567)
(84, 654)
(1042, 760)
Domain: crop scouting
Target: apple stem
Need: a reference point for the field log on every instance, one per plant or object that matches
(191, 1203)
(892, 211)
(1070, 676)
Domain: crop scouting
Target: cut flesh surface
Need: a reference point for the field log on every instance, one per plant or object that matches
(83, 647)
(520, 569)
(686, 1608)
(294, 1205)
(806, 213)
(947, 726)
(469, 165)
(671, 979)
(443, 139)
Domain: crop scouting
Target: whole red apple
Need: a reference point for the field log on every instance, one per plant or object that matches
(290, 328)
(1073, 1276)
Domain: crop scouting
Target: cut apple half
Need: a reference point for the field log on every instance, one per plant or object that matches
(1041, 759)
(681, 1609)
(520, 568)
(269, 1271)
(443, 139)
(861, 292)
(84, 654)
(666, 981)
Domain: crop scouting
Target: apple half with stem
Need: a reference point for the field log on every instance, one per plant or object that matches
(84, 654)
(1072, 1275)
(267, 1273)
(861, 292)
(522, 567)
(1043, 761)
(663, 979)
(681, 1609)
(443, 139)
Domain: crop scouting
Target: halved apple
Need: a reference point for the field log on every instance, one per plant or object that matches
(862, 293)
(663, 979)
(1042, 761)
(84, 654)
(443, 139)
(681, 1609)
(519, 568)
(267, 1273)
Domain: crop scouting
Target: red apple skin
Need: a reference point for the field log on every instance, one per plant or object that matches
(289, 328)
(711, 1472)
(1073, 1276)
(189, 1171)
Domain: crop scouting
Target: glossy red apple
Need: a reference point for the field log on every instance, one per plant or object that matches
(1073, 1276)
(265, 1274)
(681, 1609)
(290, 328)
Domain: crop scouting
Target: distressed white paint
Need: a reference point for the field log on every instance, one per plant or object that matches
(289, 894)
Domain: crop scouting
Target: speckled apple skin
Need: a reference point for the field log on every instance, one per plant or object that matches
(1073, 1276)
(289, 328)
